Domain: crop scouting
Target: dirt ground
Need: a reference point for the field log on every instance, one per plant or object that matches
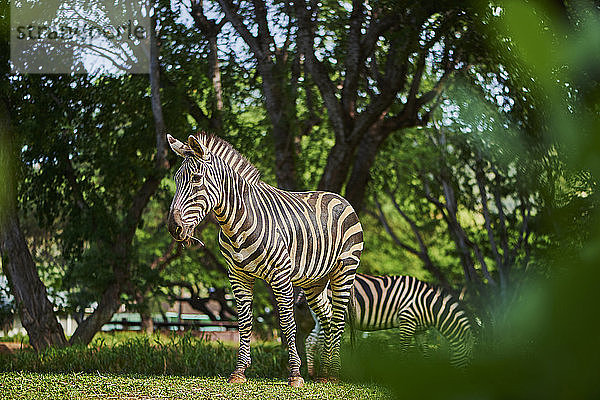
(10, 347)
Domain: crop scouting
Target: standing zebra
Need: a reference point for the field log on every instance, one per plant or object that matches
(306, 239)
(406, 303)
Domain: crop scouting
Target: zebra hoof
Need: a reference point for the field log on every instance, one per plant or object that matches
(296, 381)
(236, 377)
(328, 379)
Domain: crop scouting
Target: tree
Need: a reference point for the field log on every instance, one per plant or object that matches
(370, 77)
(61, 153)
(37, 313)
(120, 246)
(90, 170)
(468, 192)
(279, 69)
(372, 81)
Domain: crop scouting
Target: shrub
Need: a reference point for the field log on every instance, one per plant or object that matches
(179, 355)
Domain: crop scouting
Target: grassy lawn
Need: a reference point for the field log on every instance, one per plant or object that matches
(161, 367)
(26, 385)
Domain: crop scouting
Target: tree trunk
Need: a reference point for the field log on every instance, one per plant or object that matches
(215, 71)
(111, 301)
(279, 107)
(365, 157)
(285, 160)
(337, 167)
(211, 29)
(37, 313)
(147, 323)
(279, 102)
(108, 305)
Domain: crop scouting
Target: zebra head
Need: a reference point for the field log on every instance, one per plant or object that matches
(197, 191)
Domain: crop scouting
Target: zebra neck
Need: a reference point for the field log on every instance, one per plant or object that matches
(235, 209)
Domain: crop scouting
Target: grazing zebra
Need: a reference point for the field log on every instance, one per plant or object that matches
(304, 239)
(406, 303)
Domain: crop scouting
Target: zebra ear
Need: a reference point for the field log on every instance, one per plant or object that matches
(198, 148)
(178, 147)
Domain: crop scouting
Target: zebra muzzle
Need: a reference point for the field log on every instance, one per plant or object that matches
(175, 225)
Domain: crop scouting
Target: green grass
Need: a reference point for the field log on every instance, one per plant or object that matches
(20, 385)
(175, 355)
(159, 367)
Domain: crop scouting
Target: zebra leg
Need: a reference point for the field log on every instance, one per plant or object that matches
(457, 331)
(316, 296)
(341, 286)
(407, 324)
(284, 295)
(312, 349)
(242, 285)
(460, 353)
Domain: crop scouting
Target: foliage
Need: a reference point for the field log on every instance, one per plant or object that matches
(183, 355)
(459, 198)
(87, 147)
(544, 344)
(486, 195)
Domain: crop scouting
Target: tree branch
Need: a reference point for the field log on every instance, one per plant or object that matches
(264, 34)
(376, 28)
(393, 81)
(501, 217)
(235, 19)
(429, 265)
(452, 207)
(317, 69)
(479, 177)
(381, 216)
(524, 231)
(191, 106)
(210, 29)
(353, 64)
(160, 263)
(161, 130)
(150, 184)
(457, 234)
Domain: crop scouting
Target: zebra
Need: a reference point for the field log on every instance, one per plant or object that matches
(406, 303)
(310, 240)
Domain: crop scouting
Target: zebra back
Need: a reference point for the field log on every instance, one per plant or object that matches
(404, 302)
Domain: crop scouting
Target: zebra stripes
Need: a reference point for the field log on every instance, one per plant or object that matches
(411, 305)
(304, 239)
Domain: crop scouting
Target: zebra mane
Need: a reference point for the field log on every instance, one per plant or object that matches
(225, 151)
